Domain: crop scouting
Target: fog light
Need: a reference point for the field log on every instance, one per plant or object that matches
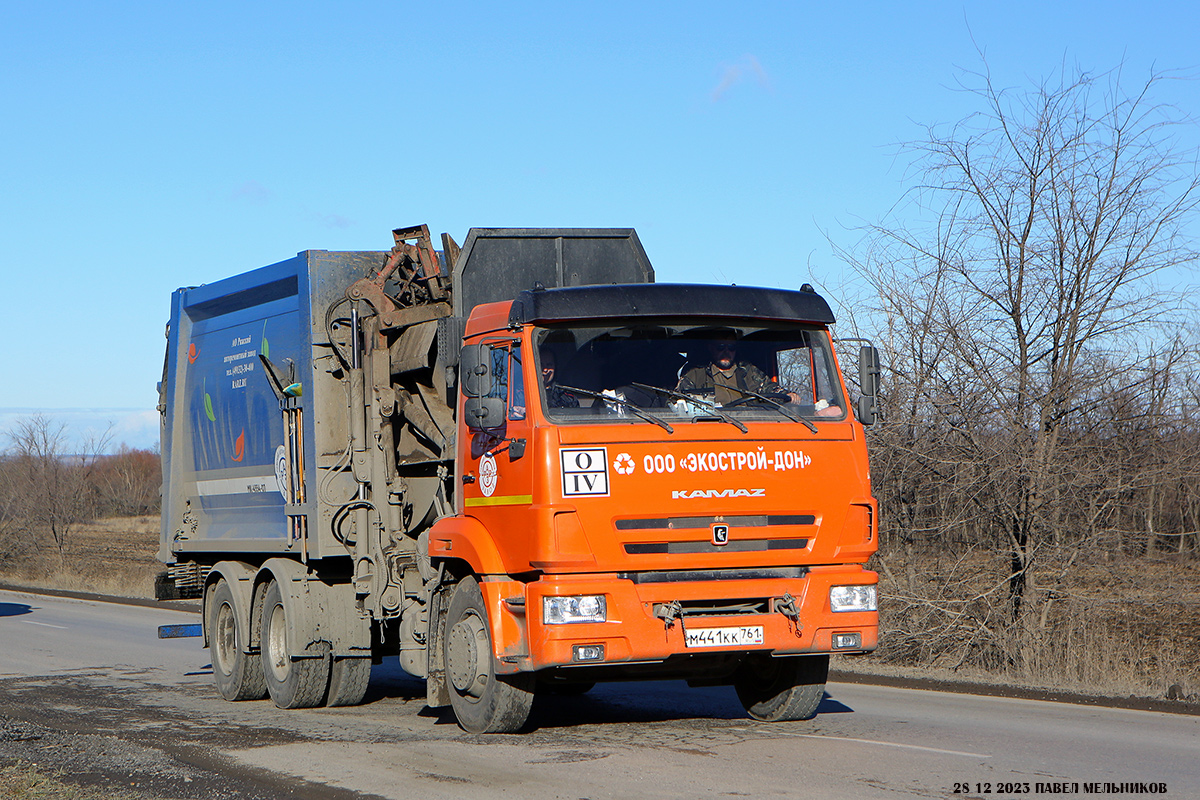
(568, 610)
(587, 652)
(847, 641)
(852, 598)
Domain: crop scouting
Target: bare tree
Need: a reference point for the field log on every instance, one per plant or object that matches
(49, 487)
(1025, 303)
(13, 541)
(127, 482)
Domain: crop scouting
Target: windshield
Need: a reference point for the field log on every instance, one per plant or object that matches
(686, 372)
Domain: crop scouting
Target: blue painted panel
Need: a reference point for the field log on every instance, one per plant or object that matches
(234, 426)
(223, 427)
(234, 416)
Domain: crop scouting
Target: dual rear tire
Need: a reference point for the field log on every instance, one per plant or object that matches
(291, 682)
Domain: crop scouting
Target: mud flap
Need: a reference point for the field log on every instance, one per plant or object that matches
(437, 693)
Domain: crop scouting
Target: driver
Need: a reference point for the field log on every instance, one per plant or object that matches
(724, 374)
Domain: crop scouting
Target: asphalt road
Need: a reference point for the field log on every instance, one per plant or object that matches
(87, 688)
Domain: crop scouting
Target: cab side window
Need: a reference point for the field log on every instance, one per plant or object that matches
(516, 397)
(499, 373)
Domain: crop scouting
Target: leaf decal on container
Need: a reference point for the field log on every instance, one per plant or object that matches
(264, 349)
(239, 446)
(208, 407)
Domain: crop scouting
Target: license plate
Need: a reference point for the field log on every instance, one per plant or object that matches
(723, 637)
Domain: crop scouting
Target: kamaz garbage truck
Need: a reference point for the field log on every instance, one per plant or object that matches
(518, 466)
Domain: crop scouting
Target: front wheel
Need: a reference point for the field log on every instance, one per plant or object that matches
(781, 689)
(483, 701)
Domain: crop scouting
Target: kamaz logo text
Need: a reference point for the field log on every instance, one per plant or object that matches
(693, 494)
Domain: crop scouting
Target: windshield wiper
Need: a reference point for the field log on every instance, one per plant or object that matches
(621, 400)
(773, 402)
(698, 401)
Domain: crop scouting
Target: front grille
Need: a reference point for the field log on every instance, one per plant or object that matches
(686, 523)
(688, 575)
(735, 546)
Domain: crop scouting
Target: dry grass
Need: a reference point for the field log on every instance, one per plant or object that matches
(26, 781)
(111, 556)
(1117, 627)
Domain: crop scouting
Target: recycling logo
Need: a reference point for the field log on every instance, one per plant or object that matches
(624, 464)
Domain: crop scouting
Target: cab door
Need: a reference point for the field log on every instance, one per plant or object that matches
(498, 472)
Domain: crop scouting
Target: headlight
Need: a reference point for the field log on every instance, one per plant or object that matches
(852, 598)
(566, 610)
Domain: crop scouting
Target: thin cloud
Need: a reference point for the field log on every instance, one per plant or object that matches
(747, 68)
(334, 221)
(252, 192)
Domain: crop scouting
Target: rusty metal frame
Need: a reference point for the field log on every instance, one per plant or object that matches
(415, 264)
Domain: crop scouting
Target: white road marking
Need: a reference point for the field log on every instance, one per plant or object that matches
(44, 624)
(885, 744)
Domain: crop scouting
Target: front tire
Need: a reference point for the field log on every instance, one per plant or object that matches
(781, 689)
(292, 683)
(237, 674)
(483, 701)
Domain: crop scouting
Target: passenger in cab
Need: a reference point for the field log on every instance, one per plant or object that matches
(556, 396)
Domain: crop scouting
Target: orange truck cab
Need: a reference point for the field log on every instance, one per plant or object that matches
(622, 521)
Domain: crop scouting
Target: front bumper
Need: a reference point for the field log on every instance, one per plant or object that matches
(633, 634)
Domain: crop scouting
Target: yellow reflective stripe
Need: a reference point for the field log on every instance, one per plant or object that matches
(510, 500)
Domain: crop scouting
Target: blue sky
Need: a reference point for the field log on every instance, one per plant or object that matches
(147, 146)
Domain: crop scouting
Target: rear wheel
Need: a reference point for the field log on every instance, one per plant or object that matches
(237, 674)
(348, 679)
(483, 701)
(781, 689)
(292, 683)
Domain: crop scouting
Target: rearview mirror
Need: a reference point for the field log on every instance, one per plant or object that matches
(483, 413)
(869, 370)
(476, 364)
